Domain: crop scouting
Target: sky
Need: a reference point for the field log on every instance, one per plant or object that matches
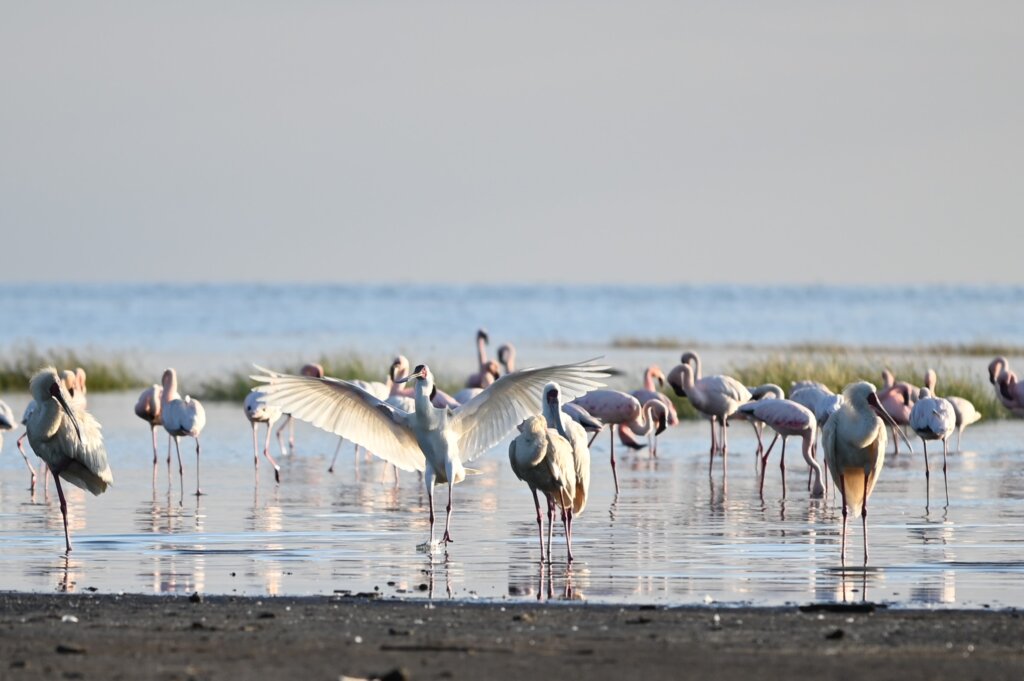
(619, 142)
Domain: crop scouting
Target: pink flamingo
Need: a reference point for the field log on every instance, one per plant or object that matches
(257, 411)
(897, 399)
(7, 423)
(932, 418)
(1009, 392)
(614, 407)
(787, 418)
(181, 417)
(652, 374)
(148, 408)
(966, 413)
(719, 397)
(488, 370)
(507, 357)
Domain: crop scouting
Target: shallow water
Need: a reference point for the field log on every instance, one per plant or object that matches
(672, 536)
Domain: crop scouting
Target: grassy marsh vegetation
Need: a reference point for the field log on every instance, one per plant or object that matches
(104, 374)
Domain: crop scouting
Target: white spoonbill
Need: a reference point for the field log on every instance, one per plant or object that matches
(443, 438)
(615, 407)
(68, 440)
(933, 418)
(787, 418)
(542, 458)
(258, 412)
(576, 434)
(719, 397)
(181, 417)
(854, 441)
(966, 413)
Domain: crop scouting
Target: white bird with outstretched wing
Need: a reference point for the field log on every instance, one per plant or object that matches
(438, 436)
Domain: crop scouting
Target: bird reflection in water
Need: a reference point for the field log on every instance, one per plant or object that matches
(434, 563)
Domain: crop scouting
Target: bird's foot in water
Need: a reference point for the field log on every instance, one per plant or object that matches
(447, 538)
(200, 492)
(277, 475)
(430, 546)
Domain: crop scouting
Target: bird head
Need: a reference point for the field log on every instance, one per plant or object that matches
(45, 386)
(312, 370)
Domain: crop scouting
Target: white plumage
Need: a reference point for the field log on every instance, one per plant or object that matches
(257, 411)
(67, 439)
(933, 418)
(444, 438)
(182, 418)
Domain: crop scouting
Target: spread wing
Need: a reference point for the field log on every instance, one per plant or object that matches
(486, 419)
(345, 409)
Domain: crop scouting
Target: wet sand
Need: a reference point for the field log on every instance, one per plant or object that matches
(157, 637)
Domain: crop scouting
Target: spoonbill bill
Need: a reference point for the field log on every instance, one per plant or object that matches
(854, 442)
(182, 418)
(897, 398)
(67, 440)
(443, 438)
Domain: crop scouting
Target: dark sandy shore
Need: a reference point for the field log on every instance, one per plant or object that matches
(149, 637)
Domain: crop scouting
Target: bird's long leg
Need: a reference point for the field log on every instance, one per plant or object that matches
(266, 453)
(782, 466)
(959, 432)
(568, 533)
(153, 429)
(927, 475)
(63, 507)
(540, 524)
(711, 454)
(280, 442)
(255, 450)
(447, 538)
(842, 550)
(764, 461)
(864, 520)
(895, 442)
(199, 491)
(615, 475)
(758, 430)
(429, 481)
(594, 436)
(181, 469)
(21, 448)
(337, 449)
(725, 439)
(551, 524)
(945, 480)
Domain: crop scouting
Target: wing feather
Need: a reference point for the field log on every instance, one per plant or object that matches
(486, 419)
(347, 410)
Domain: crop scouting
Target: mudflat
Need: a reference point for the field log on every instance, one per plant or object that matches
(81, 636)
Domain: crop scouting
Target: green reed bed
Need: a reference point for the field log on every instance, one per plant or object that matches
(104, 374)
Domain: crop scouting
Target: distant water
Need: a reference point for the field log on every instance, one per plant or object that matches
(252, 319)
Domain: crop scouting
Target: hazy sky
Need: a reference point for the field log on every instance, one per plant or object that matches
(515, 141)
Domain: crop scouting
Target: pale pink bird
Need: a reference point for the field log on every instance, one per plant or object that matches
(719, 397)
(932, 418)
(787, 418)
(181, 417)
(507, 357)
(1009, 392)
(897, 398)
(966, 413)
(488, 371)
(614, 407)
(768, 391)
(148, 408)
(653, 378)
(257, 411)
(7, 422)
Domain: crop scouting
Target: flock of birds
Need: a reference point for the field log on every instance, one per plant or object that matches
(555, 412)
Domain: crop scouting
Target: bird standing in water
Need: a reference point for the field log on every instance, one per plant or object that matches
(67, 439)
